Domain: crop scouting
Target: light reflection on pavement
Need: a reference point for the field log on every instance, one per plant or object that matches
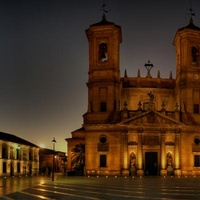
(100, 188)
(13, 184)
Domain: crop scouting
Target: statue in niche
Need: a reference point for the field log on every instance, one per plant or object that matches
(169, 159)
(170, 169)
(133, 160)
(132, 164)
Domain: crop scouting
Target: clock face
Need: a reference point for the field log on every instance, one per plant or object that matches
(196, 76)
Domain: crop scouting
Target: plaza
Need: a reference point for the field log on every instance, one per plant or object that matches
(106, 187)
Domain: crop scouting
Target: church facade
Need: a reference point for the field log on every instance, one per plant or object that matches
(140, 125)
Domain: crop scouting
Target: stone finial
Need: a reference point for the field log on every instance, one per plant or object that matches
(170, 75)
(125, 73)
(158, 75)
(138, 74)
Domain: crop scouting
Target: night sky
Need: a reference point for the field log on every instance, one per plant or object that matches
(44, 57)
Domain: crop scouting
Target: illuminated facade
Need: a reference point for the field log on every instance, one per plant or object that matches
(17, 156)
(140, 125)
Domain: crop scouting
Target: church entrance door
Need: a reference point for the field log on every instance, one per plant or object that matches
(151, 163)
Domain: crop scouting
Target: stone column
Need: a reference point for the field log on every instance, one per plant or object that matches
(125, 171)
(1, 165)
(8, 147)
(163, 170)
(140, 171)
(177, 170)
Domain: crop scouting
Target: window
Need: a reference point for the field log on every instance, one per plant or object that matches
(195, 54)
(18, 157)
(196, 108)
(18, 167)
(4, 152)
(103, 139)
(103, 99)
(197, 160)
(4, 167)
(196, 141)
(102, 160)
(103, 107)
(103, 144)
(103, 52)
(30, 154)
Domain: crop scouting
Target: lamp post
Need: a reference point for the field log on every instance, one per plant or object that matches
(54, 142)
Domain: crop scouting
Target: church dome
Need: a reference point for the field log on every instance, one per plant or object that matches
(190, 26)
(104, 22)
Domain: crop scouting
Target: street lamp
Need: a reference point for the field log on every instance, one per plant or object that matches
(54, 142)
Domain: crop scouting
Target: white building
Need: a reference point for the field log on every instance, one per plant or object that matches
(17, 156)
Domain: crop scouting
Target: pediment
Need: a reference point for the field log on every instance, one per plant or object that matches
(151, 118)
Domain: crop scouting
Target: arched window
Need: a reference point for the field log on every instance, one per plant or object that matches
(103, 56)
(195, 54)
(196, 150)
(18, 153)
(4, 151)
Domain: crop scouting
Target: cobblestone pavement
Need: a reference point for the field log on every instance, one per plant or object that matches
(95, 188)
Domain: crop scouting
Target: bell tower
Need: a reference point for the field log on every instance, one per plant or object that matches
(104, 75)
(187, 92)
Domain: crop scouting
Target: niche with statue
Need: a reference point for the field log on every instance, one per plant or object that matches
(170, 168)
(132, 164)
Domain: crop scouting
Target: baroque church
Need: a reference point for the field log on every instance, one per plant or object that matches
(140, 125)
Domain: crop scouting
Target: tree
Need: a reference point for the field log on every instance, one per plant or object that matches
(78, 158)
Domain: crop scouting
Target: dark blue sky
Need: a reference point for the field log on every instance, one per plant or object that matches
(44, 57)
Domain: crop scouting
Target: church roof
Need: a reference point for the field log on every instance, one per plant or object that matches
(190, 26)
(12, 138)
